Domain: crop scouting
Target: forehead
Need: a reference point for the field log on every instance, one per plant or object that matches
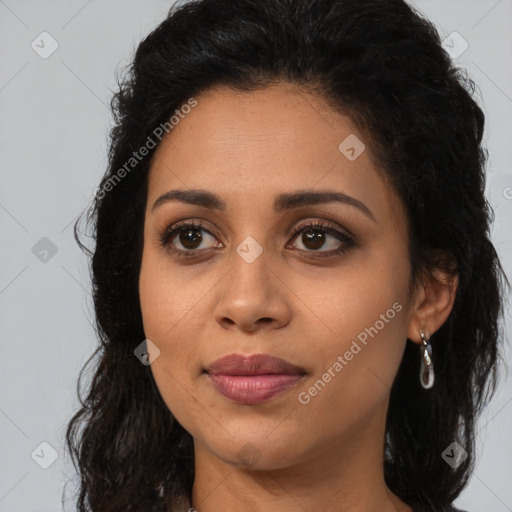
(248, 147)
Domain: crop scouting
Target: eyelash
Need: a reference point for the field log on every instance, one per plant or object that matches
(348, 241)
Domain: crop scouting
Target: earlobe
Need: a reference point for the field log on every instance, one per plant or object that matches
(433, 305)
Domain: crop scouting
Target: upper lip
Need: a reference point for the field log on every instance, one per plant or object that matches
(256, 364)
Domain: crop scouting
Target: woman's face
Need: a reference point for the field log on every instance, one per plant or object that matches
(252, 278)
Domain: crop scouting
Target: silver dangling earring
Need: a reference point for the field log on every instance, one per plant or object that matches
(427, 366)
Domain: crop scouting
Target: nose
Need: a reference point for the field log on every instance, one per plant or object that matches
(252, 296)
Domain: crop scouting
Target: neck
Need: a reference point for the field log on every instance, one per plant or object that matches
(343, 475)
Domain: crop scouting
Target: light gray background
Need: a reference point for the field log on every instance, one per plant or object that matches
(54, 122)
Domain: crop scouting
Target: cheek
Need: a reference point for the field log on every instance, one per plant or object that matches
(170, 300)
(355, 375)
(364, 314)
(174, 313)
(360, 297)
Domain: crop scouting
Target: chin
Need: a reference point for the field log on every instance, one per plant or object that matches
(255, 446)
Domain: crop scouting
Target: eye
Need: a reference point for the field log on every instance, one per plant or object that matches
(316, 234)
(189, 236)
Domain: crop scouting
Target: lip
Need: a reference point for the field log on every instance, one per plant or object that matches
(253, 379)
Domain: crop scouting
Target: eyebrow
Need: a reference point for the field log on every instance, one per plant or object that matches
(282, 202)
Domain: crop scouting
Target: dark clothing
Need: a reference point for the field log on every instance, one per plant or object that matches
(450, 508)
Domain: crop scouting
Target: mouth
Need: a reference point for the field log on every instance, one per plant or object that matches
(253, 379)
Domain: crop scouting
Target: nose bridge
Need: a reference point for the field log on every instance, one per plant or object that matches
(251, 291)
(250, 266)
(252, 230)
(252, 259)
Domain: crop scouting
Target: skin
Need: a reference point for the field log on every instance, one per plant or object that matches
(247, 147)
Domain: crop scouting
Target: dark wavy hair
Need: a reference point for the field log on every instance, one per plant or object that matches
(383, 64)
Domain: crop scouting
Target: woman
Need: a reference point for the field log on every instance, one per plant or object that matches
(296, 295)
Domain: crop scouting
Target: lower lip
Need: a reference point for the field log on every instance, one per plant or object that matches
(252, 389)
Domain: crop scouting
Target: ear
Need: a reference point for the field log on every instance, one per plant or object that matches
(432, 304)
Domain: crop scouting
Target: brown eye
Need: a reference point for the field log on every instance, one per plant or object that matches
(185, 238)
(317, 236)
(190, 238)
(313, 239)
